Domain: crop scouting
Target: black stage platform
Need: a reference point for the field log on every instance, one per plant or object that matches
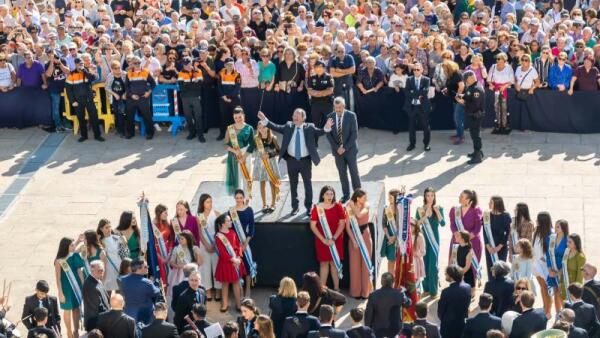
(284, 245)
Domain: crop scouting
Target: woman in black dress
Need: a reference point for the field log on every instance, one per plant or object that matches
(320, 294)
(500, 224)
(464, 256)
(283, 304)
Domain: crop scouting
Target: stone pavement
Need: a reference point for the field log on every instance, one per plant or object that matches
(82, 183)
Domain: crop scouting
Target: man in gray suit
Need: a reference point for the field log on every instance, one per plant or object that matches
(95, 297)
(343, 137)
(299, 149)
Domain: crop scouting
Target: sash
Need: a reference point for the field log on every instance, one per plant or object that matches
(272, 177)
(515, 264)
(176, 227)
(391, 220)
(86, 268)
(514, 235)
(229, 249)
(244, 169)
(204, 231)
(404, 220)
(180, 252)
(461, 227)
(144, 222)
(362, 247)
(487, 226)
(72, 279)
(428, 231)
(329, 236)
(552, 248)
(161, 245)
(239, 230)
(454, 254)
(112, 263)
(565, 272)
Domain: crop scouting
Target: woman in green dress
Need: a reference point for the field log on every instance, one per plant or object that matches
(128, 228)
(92, 249)
(434, 214)
(575, 262)
(237, 173)
(68, 268)
(388, 247)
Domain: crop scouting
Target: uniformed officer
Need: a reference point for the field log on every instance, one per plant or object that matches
(190, 81)
(320, 89)
(138, 87)
(81, 96)
(228, 85)
(474, 101)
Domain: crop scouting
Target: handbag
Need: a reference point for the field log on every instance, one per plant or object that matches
(523, 94)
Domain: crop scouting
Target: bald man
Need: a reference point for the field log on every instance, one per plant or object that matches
(115, 323)
(591, 287)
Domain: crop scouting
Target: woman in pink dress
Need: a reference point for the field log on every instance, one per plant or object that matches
(471, 221)
(360, 281)
(186, 220)
(418, 251)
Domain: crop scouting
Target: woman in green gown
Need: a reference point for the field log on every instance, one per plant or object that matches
(68, 268)
(575, 262)
(92, 249)
(435, 215)
(388, 246)
(128, 227)
(238, 174)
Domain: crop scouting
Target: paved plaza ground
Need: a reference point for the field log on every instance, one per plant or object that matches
(83, 182)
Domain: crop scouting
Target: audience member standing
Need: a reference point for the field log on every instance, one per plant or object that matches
(95, 297)
(384, 308)
(283, 304)
(327, 318)
(453, 307)
(139, 292)
(531, 320)
(591, 287)
(299, 324)
(431, 329)
(358, 330)
(160, 328)
(115, 322)
(481, 323)
(38, 300)
(501, 288)
(585, 314)
(194, 294)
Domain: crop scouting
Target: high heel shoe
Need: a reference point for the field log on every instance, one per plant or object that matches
(223, 310)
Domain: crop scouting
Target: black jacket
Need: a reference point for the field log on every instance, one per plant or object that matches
(177, 290)
(95, 301)
(453, 309)
(50, 303)
(200, 324)
(360, 332)
(411, 92)
(246, 328)
(116, 324)
(577, 332)
(34, 332)
(185, 302)
(384, 311)
(281, 308)
(432, 330)
(327, 331)
(591, 294)
(298, 325)
(479, 325)
(585, 317)
(501, 290)
(528, 323)
(311, 132)
(160, 329)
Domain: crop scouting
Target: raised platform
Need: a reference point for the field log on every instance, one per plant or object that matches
(283, 244)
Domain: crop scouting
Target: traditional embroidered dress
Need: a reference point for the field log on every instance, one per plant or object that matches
(233, 175)
(431, 280)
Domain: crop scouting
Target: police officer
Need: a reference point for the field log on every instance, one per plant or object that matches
(190, 81)
(138, 87)
(228, 85)
(320, 89)
(474, 101)
(342, 69)
(81, 96)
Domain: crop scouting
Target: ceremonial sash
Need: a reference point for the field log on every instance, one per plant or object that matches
(362, 247)
(72, 279)
(176, 227)
(161, 244)
(404, 219)
(245, 172)
(428, 231)
(461, 227)
(182, 256)
(487, 227)
(391, 220)
(272, 177)
(112, 263)
(454, 254)
(230, 251)
(239, 230)
(329, 236)
(145, 221)
(565, 272)
(204, 231)
(86, 268)
(514, 235)
(515, 263)
(552, 248)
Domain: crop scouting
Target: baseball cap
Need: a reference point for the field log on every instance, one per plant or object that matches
(78, 61)
(228, 60)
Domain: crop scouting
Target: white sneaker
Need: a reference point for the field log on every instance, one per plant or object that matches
(157, 127)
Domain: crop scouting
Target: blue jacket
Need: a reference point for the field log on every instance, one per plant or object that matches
(557, 76)
(140, 295)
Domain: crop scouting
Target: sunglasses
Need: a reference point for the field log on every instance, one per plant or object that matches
(2, 60)
(524, 60)
(562, 59)
(520, 288)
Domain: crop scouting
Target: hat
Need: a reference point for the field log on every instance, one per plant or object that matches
(186, 61)
(247, 29)
(78, 61)
(72, 45)
(578, 22)
(319, 24)
(319, 63)
(51, 35)
(228, 60)
(534, 22)
(42, 286)
(68, 13)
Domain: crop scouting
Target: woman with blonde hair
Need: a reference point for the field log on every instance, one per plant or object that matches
(283, 304)
(264, 326)
(454, 87)
(522, 264)
(501, 77)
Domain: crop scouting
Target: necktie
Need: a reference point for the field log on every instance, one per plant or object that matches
(41, 303)
(417, 82)
(198, 296)
(339, 130)
(297, 147)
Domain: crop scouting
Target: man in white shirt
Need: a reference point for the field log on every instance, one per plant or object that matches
(149, 62)
(228, 11)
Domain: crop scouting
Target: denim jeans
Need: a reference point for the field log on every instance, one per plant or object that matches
(56, 113)
(459, 119)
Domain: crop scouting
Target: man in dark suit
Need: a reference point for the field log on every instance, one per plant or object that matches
(479, 325)
(568, 317)
(585, 314)
(531, 320)
(358, 330)
(326, 316)
(40, 315)
(95, 297)
(41, 299)
(115, 323)
(591, 287)
(432, 329)
(417, 106)
(140, 293)
(160, 328)
(194, 294)
(298, 325)
(179, 288)
(199, 318)
(343, 137)
(453, 306)
(298, 148)
(384, 308)
(501, 288)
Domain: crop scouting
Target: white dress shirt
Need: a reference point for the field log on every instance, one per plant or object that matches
(292, 146)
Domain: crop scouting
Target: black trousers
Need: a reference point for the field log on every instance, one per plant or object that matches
(301, 167)
(475, 132)
(144, 108)
(347, 163)
(226, 110)
(84, 104)
(192, 109)
(417, 114)
(319, 109)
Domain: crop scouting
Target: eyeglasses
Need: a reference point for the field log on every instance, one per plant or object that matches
(2, 60)
(417, 70)
(579, 47)
(520, 288)
(524, 60)
(562, 59)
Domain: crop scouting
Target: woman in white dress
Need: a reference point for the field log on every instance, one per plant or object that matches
(184, 253)
(206, 221)
(523, 262)
(543, 229)
(110, 242)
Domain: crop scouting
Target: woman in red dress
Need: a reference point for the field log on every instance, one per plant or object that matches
(336, 218)
(230, 269)
(161, 221)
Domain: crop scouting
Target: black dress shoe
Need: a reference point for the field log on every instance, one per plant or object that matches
(308, 213)
(410, 147)
(475, 160)
(294, 212)
(149, 136)
(220, 137)
(201, 139)
(470, 155)
(427, 148)
(81, 139)
(396, 132)
(191, 137)
(99, 139)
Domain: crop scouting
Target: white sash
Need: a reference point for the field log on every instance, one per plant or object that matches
(514, 235)
(552, 248)
(565, 272)
(72, 279)
(176, 227)
(161, 245)
(362, 247)
(204, 231)
(144, 231)
(461, 227)
(328, 235)
(229, 249)
(454, 254)
(239, 230)
(392, 228)
(429, 234)
(487, 226)
(403, 210)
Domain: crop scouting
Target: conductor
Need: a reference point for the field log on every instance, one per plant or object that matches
(474, 101)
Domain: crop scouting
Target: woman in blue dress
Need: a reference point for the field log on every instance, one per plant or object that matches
(556, 244)
(68, 268)
(246, 216)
